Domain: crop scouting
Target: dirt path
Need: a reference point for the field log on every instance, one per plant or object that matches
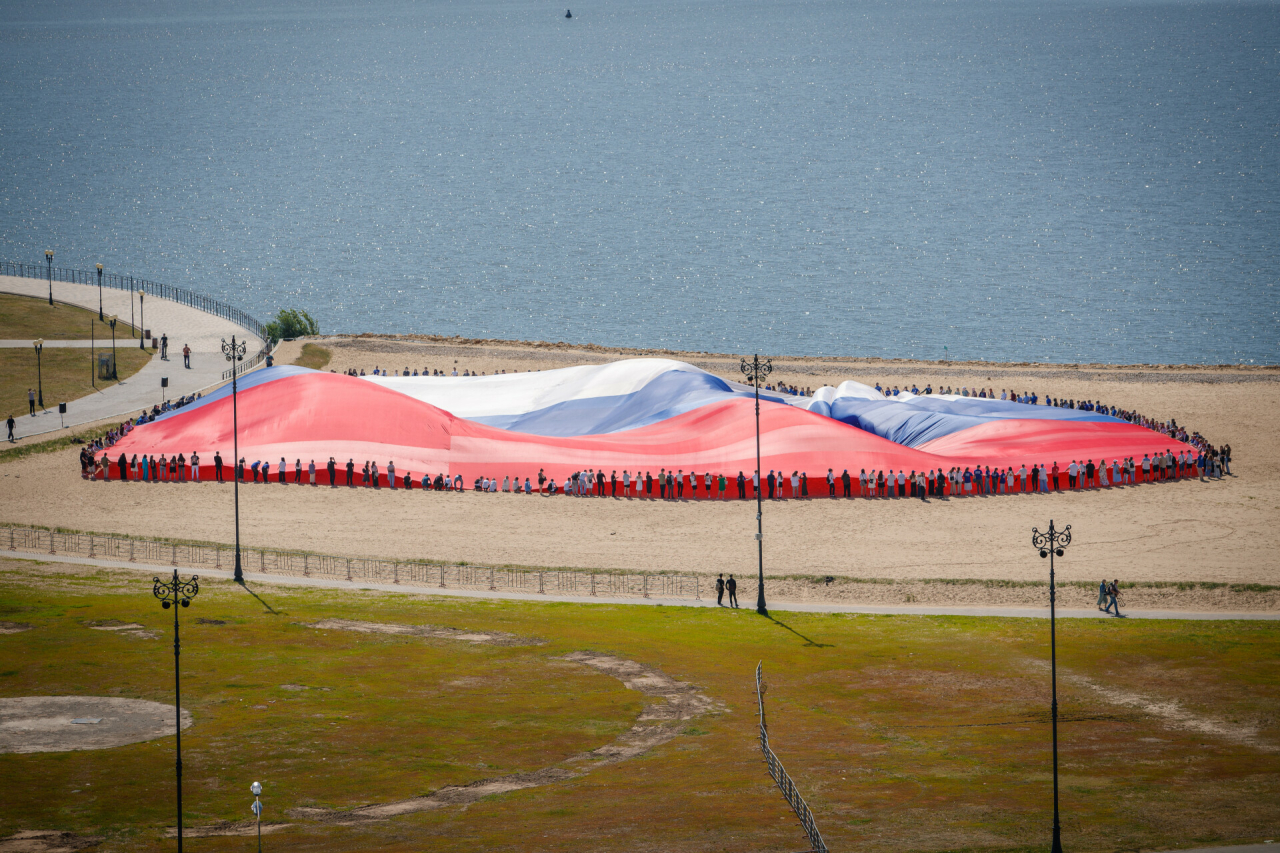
(671, 707)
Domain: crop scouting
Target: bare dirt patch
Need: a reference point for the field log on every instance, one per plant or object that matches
(1172, 714)
(131, 629)
(491, 638)
(13, 627)
(64, 723)
(46, 841)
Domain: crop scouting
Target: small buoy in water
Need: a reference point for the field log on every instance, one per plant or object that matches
(568, 13)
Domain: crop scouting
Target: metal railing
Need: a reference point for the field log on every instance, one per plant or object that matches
(245, 366)
(783, 779)
(269, 561)
(116, 281)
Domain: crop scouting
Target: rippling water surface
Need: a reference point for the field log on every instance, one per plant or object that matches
(1005, 180)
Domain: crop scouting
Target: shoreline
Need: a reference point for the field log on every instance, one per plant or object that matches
(685, 355)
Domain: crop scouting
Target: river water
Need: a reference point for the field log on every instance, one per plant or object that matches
(1060, 181)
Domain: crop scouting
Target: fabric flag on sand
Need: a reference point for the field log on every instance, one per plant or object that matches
(636, 415)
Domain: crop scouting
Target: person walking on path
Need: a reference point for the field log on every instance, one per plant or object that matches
(186, 356)
(10, 424)
(1113, 596)
(1102, 593)
(164, 347)
(732, 586)
(720, 590)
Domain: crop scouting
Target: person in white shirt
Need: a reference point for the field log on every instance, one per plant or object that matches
(902, 483)
(755, 481)
(626, 482)
(795, 484)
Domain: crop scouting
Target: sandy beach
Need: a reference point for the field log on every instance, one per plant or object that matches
(1220, 531)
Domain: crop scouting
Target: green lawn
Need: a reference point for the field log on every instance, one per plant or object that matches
(905, 733)
(314, 356)
(28, 318)
(68, 374)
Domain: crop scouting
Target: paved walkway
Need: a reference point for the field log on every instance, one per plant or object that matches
(255, 579)
(184, 325)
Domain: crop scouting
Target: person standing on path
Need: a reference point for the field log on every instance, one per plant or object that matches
(186, 356)
(720, 590)
(164, 347)
(10, 424)
(732, 586)
(31, 401)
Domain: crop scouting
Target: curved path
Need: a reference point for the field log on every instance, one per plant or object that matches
(202, 331)
(672, 705)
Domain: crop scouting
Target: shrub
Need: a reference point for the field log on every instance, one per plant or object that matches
(291, 323)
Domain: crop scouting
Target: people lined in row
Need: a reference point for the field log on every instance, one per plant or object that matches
(670, 484)
(426, 371)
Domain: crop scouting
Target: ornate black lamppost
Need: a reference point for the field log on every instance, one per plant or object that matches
(1050, 544)
(142, 322)
(38, 343)
(756, 370)
(48, 262)
(100, 317)
(131, 304)
(171, 594)
(112, 321)
(235, 354)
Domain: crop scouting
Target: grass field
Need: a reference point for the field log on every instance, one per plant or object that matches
(66, 374)
(314, 356)
(25, 317)
(905, 733)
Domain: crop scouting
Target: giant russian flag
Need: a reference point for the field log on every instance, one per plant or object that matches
(638, 415)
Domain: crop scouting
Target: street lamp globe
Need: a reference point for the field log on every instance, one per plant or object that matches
(255, 788)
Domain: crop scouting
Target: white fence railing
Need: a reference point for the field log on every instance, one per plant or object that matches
(268, 561)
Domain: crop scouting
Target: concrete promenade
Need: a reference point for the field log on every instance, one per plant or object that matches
(202, 331)
(257, 579)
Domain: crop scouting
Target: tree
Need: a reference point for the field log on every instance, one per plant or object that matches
(291, 323)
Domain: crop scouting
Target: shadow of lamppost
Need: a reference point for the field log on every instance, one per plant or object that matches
(38, 343)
